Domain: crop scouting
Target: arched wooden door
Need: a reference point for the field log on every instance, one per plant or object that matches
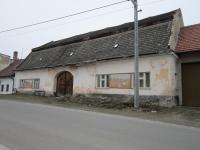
(64, 84)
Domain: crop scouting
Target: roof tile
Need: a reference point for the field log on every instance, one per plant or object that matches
(189, 39)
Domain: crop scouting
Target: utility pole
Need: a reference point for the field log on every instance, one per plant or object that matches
(136, 55)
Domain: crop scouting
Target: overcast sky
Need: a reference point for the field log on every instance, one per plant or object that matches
(16, 13)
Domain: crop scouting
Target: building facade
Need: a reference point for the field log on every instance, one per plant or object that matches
(7, 76)
(188, 56)
(101, 62)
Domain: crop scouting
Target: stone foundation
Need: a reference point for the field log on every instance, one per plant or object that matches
(127, 100)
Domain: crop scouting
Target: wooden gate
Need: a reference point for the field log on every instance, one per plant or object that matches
(64, 84)
(191, 84)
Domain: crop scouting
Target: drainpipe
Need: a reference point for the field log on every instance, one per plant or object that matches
(13, 79)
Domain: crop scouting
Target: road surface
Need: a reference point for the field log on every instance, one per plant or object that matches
(25, 126)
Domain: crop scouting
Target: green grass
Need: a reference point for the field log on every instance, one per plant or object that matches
(177, 115)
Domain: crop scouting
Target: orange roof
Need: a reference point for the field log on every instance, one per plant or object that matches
(189, 39)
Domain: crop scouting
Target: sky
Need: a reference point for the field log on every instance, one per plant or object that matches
(16, 13)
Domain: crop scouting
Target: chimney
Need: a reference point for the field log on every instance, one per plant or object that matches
(15, 55)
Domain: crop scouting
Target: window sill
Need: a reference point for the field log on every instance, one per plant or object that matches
(145, 88)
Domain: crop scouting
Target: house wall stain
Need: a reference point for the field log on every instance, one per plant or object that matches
(163, 76)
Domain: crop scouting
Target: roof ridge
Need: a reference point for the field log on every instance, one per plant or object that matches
(110, 30)
(117, 34)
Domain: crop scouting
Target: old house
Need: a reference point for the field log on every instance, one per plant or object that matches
(4, 61)
(101, 62)
(188, 51)
(7, 76)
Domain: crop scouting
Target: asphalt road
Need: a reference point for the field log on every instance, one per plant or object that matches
(26, 126)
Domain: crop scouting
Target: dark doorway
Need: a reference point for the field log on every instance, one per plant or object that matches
(190, 84)
(64, 84)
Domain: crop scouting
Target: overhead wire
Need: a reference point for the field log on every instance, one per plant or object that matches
(74, 21)
(63, 17)
(75, 14)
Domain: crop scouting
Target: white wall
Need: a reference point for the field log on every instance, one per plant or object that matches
(5, 82)
(161, 67)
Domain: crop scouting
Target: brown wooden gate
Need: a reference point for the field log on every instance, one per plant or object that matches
(64, 84)
(191, 84)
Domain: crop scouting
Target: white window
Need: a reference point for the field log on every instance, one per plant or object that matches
(36, 84)
(144, 79)
(103, 81)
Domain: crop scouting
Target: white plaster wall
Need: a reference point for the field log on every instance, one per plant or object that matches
(161, 67)
(6, 81)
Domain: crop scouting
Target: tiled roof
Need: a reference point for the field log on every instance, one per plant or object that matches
(109, 43)
(10, 70)
(189, 39)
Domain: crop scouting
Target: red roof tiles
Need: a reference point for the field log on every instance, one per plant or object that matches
(10, 70)
(189, 39)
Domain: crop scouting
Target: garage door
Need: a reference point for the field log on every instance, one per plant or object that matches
(191, 84)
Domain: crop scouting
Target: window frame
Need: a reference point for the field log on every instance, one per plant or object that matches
(22, 82)
(7, 87)
(99, 80)
(132, 74)
(2, 87)
(36, 85)
(144, 78)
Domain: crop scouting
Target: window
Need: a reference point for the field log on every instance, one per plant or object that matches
(121, 81)
(30, 83)
(36, 84)
(7, 87)
(2, 88)
(103, 81)
(21, 83)
(144, 79)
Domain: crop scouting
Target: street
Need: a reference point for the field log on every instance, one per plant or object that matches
(25, 126)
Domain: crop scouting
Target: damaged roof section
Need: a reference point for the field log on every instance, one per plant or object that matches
(109, 43)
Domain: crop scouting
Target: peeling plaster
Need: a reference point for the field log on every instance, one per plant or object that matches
(163, 75)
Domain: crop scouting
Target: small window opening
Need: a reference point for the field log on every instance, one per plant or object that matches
(71, 53)
(116, 45)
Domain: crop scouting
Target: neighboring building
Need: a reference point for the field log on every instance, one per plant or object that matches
(7, 76)
(188, 51)
(102, 62)
(4, 61)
